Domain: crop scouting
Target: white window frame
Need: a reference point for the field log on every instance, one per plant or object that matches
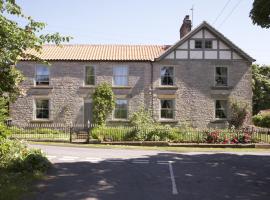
(160, 82)
(35, 108)
(160, 108)
(113, 114)
(84, 73)
(127, 76)
(35, 78)
(226, 109)
(215, 75)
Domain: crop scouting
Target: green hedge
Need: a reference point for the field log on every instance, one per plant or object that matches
(262, 120)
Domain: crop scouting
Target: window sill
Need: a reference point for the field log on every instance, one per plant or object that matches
(121, 87)
(41, 121)
(167, 120)
(221, 87)
(87, 87)
(173, 87)
(42, 87)
(219, 120)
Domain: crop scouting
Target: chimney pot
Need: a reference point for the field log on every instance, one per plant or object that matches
(186, 27)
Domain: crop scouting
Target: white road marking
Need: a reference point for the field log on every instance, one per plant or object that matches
(174, 188)
(162, 162)
(92, 160)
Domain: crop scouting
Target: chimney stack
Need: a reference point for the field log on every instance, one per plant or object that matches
(186, 27)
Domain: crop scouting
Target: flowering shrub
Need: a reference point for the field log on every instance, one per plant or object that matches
(228, 137)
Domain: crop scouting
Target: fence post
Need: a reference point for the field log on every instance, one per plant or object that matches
(88, 131)
(70, 133)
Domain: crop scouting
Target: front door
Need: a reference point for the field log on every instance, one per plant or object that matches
(88, 113)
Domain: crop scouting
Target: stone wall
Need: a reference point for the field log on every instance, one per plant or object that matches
(193, 91)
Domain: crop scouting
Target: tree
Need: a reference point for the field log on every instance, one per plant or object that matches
(103, 103)
(260, 13)
(15, 39)
(260, 87)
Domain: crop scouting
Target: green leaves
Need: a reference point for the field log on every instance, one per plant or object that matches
(103, 103)
(15, 40)
(260, 13)
(260, 87)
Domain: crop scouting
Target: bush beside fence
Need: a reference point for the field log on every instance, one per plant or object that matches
(69, 133)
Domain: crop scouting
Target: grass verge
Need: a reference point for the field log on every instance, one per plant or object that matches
(13, 185)
(157, 148)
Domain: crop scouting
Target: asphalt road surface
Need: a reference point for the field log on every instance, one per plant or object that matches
(115, 174)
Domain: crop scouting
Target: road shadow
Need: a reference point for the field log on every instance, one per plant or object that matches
(202, 177)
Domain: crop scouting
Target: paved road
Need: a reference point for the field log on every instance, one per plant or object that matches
(113, 174)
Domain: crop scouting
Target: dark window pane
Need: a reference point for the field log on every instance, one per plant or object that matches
(42, 75)
(42, 109)
(167, 75)
(89, 75)
(167, 109)
(198, 44)
(208, 44)
(221, 76)
(121, 111)
(221, 109)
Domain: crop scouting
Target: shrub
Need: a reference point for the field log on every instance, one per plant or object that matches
(4, 131)
(103, 133)
(238, 112)
(3, 109)
(103, 103)
(262, 120)
(15, 156)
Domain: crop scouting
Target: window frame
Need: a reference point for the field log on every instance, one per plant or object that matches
(173, 77)
(35, 109)
(49, 75)
(211, 42)
(160, 109)
(127, 76)
(198, 40)
(215, 76)
(225, 110)
(127, 110)
(94, 75)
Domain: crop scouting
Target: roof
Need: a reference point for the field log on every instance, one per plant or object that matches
(99, 52)
(204, 24)
(124, 52)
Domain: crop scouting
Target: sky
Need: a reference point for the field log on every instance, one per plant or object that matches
(149, 21)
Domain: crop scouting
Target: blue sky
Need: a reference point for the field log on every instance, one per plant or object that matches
(148, 21)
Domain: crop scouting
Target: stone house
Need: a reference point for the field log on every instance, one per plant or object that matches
(190, 81)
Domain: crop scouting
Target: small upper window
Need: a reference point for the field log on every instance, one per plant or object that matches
(208, 44)
(167, 109)
(42, 109)
(167, 76)
(42, 75)
(121, 110)
(221, 109)
(89, 75)
(221, 76)
(120, 76)
(198, 44)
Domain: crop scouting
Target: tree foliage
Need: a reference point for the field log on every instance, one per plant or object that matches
(260, 87)
(260, 13)
(238, 113)
(15, 39)
(103, 103)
